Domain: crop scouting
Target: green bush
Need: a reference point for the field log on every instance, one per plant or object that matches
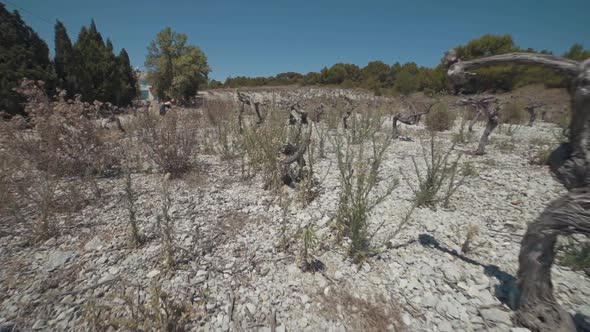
(360, 170)
(563, 120)
(576, 255)
(439, 118)
(441, 175)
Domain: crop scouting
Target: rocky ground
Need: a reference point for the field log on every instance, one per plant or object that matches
(234, 274)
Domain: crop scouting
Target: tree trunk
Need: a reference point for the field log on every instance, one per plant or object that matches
(538, 310)
(256, 107)
(394, 125)
(483, 141)
(345, 119)
(240, 115)
(532, 116)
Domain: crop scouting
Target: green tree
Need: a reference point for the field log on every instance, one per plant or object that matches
(577, 52)
(22, 54)
(497, 78)
(90, 67)
(93, 69)
(64, 60)
(112, 79)
(175, 69)
(406, 82)
(214, 84)
(128, 79)
(190, 72)
(376, 71)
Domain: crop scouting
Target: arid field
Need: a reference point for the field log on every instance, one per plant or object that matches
(214, 218)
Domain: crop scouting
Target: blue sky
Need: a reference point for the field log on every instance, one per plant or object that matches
(265, 37)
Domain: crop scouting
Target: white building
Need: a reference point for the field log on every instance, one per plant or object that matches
(146, 91)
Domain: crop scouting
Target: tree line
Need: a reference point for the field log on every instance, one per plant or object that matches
(409, 77)
(88, 67)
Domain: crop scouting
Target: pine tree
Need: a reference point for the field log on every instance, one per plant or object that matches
(22, 54)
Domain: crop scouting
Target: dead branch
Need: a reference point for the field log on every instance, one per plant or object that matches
(459, 70)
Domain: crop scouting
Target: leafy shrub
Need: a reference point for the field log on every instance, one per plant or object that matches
(440, 172)
(576, 255)
(439, 118)
(359, 177)
(309, 241)
(261, 146)
(564, 119)
(364, 125)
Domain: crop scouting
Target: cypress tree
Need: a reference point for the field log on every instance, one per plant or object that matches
(22, 54)
(90, 68)
(128, 81)
(110, 75)
(64, 59)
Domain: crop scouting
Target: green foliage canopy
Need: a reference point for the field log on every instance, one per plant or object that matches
(176, 70)
(22, 54)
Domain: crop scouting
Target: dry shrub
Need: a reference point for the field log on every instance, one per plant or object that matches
(170, 141)
(470, 236)
(217, 111)
(439, 118)
(7, 170)
(541, 156)
(513, 113)
(361, 315)
(37, 191)
(155, 311)
(65, 141)
(463, 135)
(224, 122)
(261, 146)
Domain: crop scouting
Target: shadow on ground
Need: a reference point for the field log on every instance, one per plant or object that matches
(507, 291)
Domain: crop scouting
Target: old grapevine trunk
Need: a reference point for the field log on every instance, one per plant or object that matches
(490, 126)
(538, 309)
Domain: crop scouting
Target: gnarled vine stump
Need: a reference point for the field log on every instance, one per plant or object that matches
(538, 309)
(246, 99)
(486, 105)
(412, 118)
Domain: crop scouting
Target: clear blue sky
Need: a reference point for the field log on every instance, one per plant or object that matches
(265, 37)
